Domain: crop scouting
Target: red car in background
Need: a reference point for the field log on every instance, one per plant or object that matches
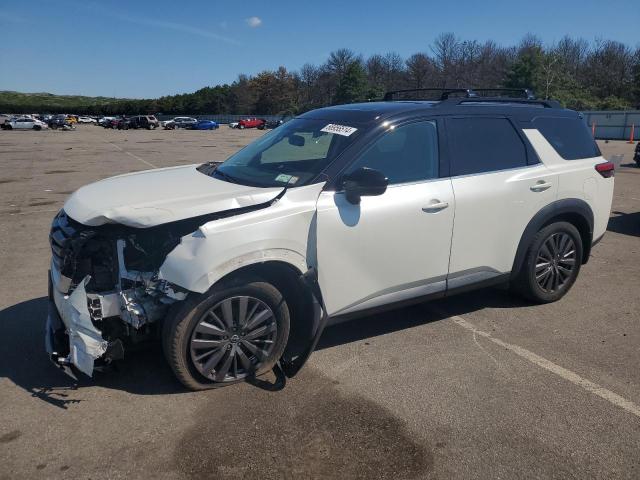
(251, 123)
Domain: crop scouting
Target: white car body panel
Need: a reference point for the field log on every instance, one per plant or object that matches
(152, 197)
(283, 232)
(492, 211)
(578, 179)
(385, 248)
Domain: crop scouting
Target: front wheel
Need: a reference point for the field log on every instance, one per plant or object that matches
(552, 263)
(235, 332)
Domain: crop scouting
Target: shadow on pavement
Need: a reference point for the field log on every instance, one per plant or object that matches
(625, 223)
(23, 359)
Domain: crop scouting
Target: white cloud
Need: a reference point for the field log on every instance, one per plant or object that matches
(254, 22)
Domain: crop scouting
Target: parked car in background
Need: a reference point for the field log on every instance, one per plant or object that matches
(205, 125)
(24, 123)
(144, 121)
(233, 124)
(86, 120)
(179, 122)
(251, 123)
(121, 123)
(59, 121)
(636, 156)
(274, 123)
(103, 121)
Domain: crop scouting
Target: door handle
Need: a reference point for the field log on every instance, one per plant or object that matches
(540, 186)
(435, 206)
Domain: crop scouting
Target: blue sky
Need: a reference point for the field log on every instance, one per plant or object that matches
(143, 49)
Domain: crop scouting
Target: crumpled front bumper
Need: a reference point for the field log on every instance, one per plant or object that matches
(71, 339)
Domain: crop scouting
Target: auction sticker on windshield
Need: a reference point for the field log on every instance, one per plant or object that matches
(339, 129)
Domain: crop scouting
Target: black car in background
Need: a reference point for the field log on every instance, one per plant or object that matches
(59, 121)
(636, 156)
(271, 124)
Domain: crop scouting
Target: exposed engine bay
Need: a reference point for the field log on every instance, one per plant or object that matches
(106, 287)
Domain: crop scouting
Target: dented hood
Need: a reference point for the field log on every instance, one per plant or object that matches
(153, 197)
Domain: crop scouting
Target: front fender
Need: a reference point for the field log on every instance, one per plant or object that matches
(283, 232)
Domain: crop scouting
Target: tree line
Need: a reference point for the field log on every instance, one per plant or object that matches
(582, 75)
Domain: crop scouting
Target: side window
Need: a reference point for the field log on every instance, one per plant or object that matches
(570, 137)
(481, 144)
(406, 154)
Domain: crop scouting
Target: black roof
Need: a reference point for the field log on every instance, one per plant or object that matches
(363, 113)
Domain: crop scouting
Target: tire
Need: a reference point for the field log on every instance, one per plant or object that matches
(184, 337)
(37, 128)
(551, 265)
(8, 127)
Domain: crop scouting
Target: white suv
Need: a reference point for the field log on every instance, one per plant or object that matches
(342, 211)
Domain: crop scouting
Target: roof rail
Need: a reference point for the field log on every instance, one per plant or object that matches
(457, 96)
(495, 100)
(498, 92)
(444, 94)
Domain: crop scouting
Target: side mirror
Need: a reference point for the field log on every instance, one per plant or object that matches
(296, 140)
(364, 182)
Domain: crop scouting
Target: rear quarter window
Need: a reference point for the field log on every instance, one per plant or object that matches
(570, 137)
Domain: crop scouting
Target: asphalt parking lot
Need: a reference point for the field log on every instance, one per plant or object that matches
(477, 386)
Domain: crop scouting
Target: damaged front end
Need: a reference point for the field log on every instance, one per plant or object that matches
(104, 290)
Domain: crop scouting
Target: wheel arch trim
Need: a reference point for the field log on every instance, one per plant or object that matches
(555, 210)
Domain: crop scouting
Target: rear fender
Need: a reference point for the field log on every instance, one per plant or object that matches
(556, 210)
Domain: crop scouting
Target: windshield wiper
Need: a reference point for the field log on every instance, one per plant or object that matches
(226, 176)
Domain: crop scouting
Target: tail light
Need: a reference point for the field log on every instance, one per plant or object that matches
(606, 169)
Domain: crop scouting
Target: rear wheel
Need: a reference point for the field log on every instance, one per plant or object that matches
(552, 263)
(235, 332)
(37, 127)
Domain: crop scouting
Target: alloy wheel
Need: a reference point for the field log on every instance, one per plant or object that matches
(233, 338)
(555, 262)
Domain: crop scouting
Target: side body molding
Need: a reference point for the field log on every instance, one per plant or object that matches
(559, 208)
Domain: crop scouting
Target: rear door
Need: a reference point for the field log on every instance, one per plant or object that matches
(499, 185)
(394, 246)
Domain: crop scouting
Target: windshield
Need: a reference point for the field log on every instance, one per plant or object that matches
(291, 155)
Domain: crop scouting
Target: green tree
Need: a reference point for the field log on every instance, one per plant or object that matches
(353, 85)
(526, 70)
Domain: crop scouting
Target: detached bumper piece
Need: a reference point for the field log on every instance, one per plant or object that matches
(56, 340)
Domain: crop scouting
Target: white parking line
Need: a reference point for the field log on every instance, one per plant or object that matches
(133, 155)
(572, 377)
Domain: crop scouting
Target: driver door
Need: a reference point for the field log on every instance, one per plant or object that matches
(394, 246)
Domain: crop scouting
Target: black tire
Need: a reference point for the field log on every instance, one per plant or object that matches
(179, 331)
(536, 281)
(8, 127)
(37, 128)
